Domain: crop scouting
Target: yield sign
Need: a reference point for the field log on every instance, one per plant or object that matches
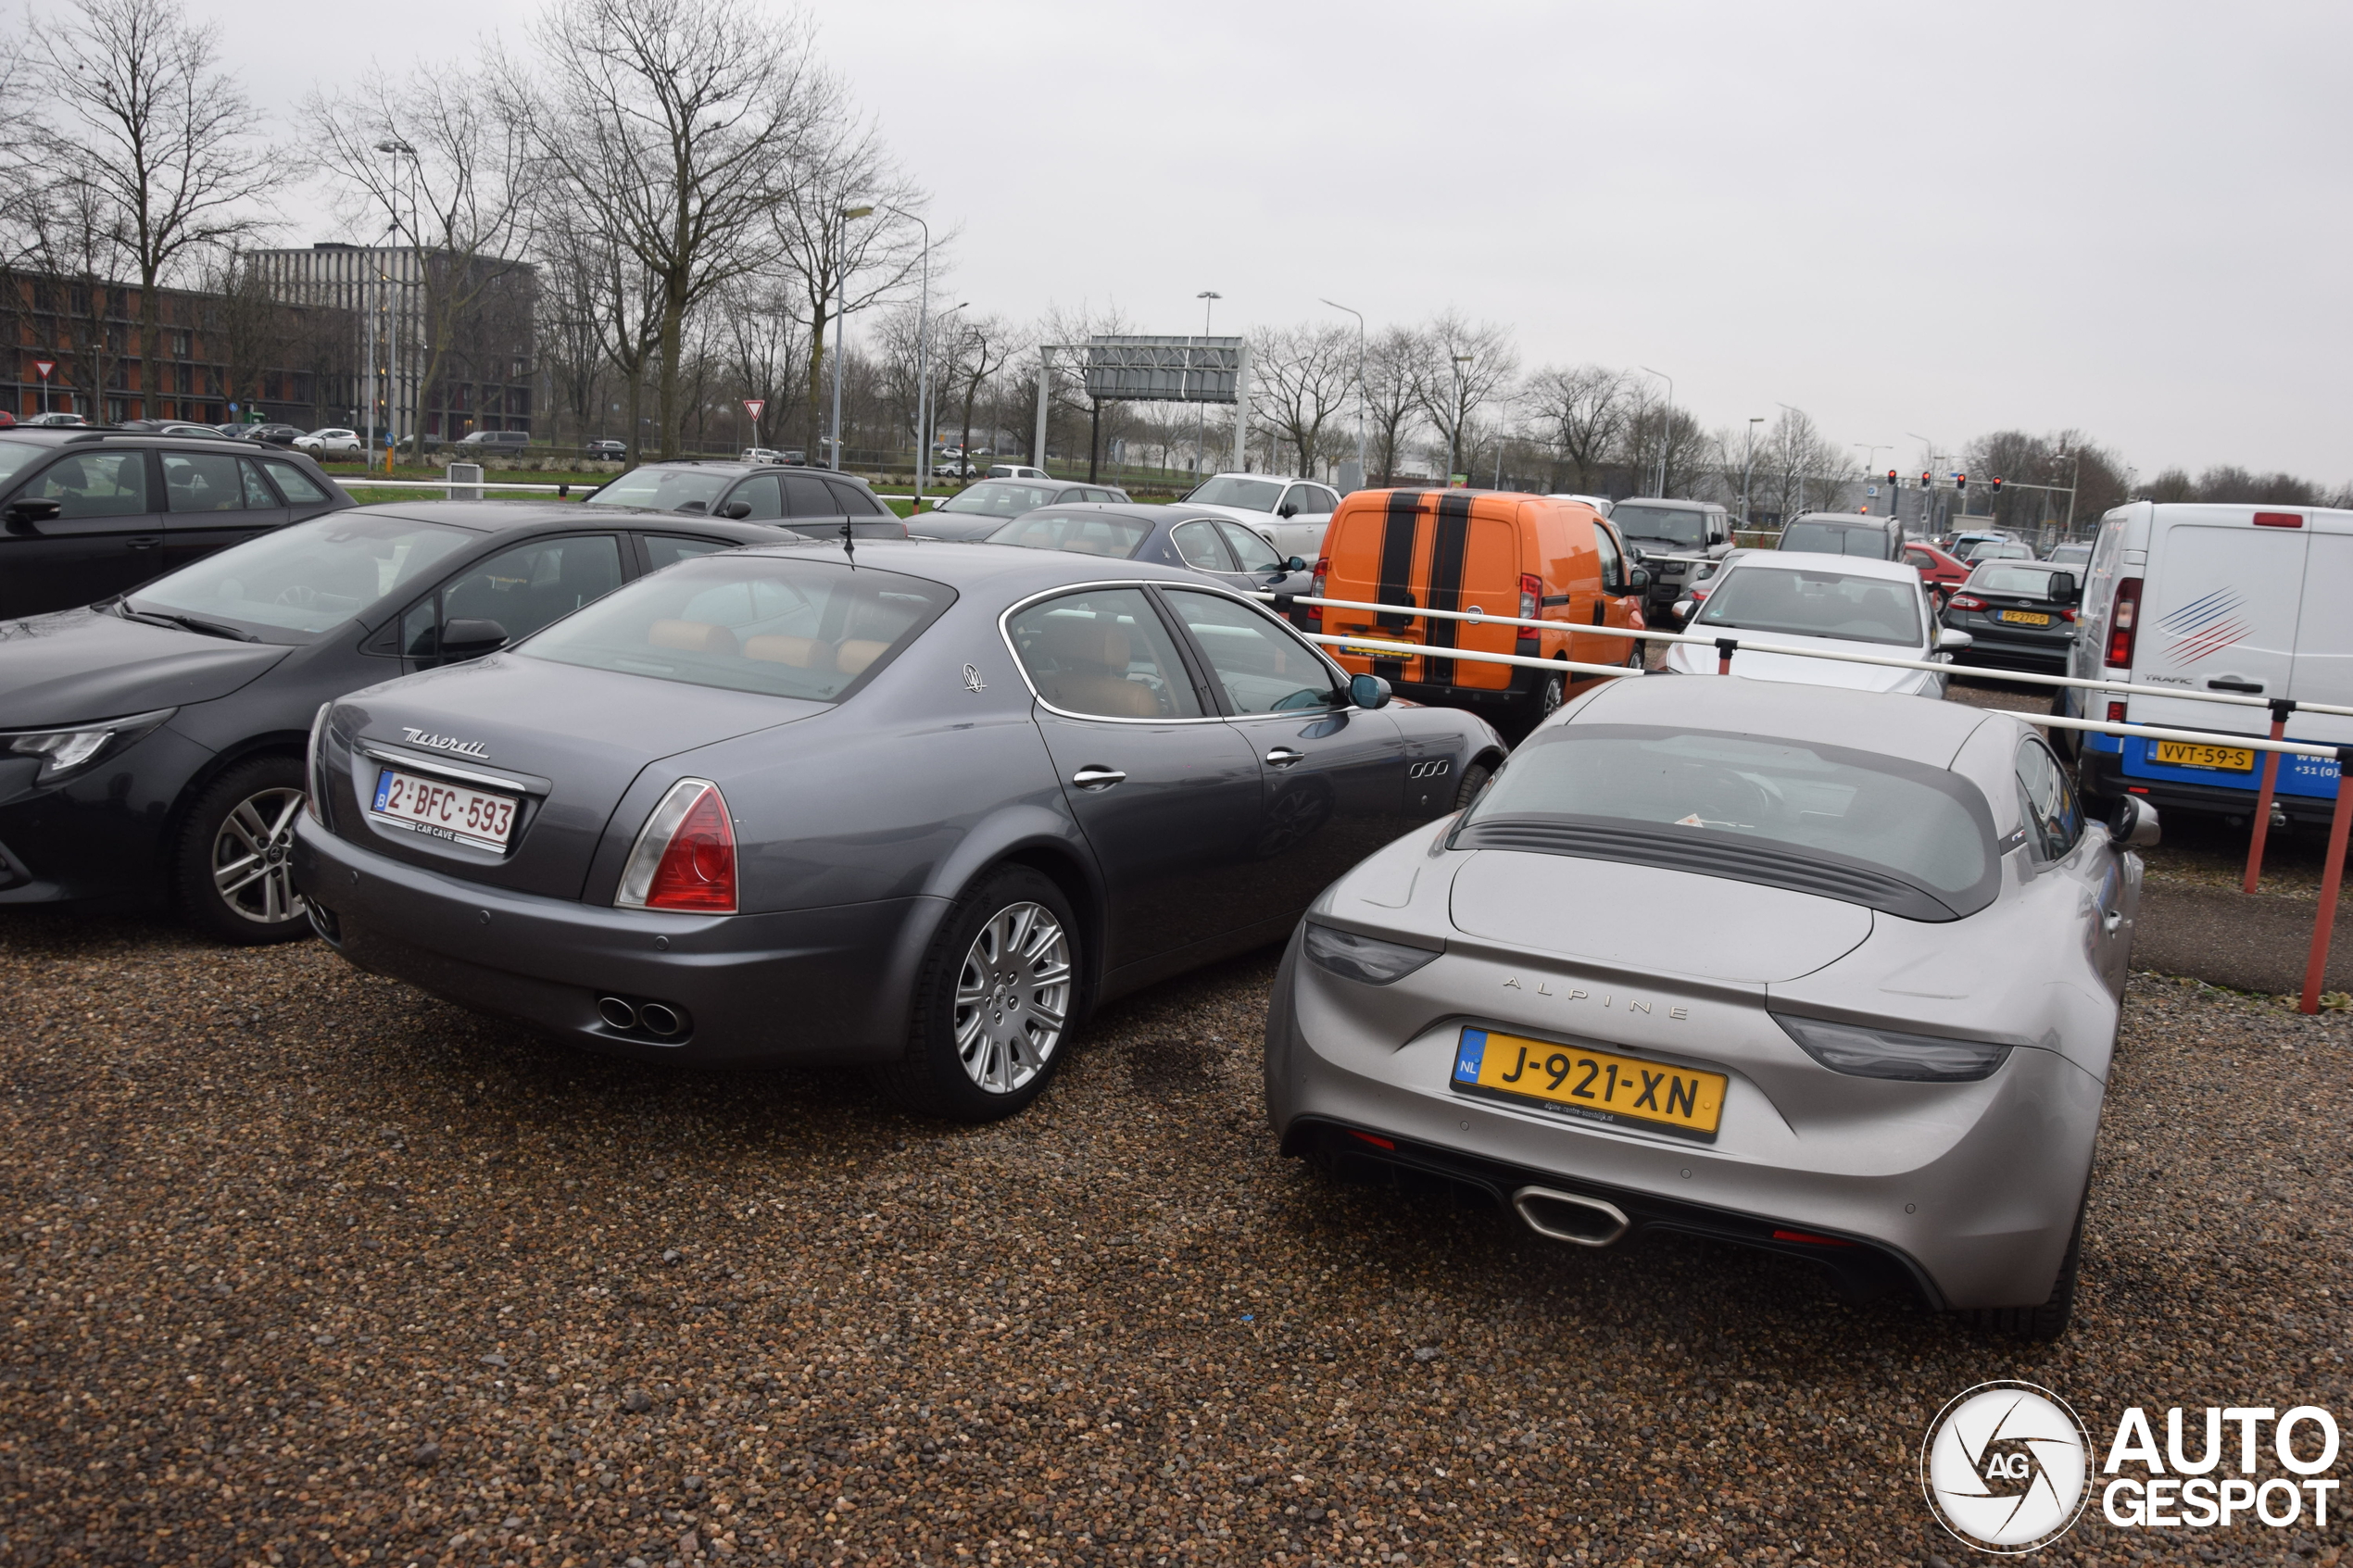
(44, 367)
(753, 406)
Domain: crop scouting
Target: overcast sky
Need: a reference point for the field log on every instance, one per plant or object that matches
(1902, 217)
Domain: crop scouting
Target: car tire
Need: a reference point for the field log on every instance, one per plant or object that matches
(232, 871)
(1545, 700)
(994, 1003)
(2049, 1321)
(1475, 778)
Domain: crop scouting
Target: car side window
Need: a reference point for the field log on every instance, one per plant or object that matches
(258, 491)
(521, 589)
(760, 492)
(1198, 548)
(806, 495)
(1612, 564)
(666, 549)
(296, 486)
(1254, 553)
(1261, 667)
(1105, 653)
(2054, 820)
(850, 499)
(205, 483)
(94, 484)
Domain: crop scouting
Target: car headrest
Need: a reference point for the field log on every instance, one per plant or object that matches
(691, 636)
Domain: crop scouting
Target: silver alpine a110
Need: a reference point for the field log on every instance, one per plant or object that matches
(1825, 972)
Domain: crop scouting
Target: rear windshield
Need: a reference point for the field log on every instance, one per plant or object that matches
(668, 490)
(2007, 579)
(307, 579)
(1913, 840)
(1000, 497)
(1814, 603)
(1830, 539)
(1251, 495)
(1671, 523)
(1077, 533)
(777, 626)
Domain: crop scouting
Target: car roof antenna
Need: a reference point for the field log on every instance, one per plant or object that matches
(849, 544)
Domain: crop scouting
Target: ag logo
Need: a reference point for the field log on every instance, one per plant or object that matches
(2006, 1467)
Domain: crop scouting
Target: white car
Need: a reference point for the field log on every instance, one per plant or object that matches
(331, 443)
(1015, 471)
(1290, 514)
(1839, 604)
(1601, 504)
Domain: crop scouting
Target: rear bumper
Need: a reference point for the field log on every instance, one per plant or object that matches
(827, 987)
(2109, 773)
(1995, 650)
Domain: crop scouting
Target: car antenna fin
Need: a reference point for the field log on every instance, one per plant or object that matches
(849, 543)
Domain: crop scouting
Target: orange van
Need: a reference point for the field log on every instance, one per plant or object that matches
(1533, 556)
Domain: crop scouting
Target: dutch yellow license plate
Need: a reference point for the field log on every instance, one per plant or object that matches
(1361, 651)
(2026, 617)
(1596, 1086)
(2191, 754)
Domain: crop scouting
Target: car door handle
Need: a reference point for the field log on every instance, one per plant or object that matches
(1283, 756)
(2110, 920)
(1096, 776)
(2232, 683)
(146, 542)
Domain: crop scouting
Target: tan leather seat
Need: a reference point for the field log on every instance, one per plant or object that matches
(692, 636)
(802, 653)
(1091, 657)
(857, 653)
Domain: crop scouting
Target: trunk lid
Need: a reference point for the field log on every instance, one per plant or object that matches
(1651, 920)
(566, 741)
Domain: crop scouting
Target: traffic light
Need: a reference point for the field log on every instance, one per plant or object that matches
(1891, 479)
(1924, 481)
(1960, 481)
(1997, 485)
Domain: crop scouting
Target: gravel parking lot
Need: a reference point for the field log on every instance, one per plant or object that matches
(305, 1267)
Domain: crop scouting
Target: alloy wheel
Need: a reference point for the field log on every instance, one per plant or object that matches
(1012, 996)
(253, 858)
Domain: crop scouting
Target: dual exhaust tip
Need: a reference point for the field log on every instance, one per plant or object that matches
(658, 1018)
(1570, 1217)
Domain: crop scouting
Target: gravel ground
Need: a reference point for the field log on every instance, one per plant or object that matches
(303, 1267)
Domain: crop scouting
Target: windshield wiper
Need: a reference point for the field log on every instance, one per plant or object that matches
(186, 622)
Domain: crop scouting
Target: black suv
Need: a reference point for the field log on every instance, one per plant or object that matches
(803, 500)
(1669, 537)
(85, 514)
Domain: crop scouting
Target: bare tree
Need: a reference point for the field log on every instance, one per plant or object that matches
(602, 293)
(1461, 369)
(758, 337)
(161, 139)
(669, 124)
(844, 264)
(249, 330)
(75, 253)
(1390, 361)
(979, 349)
(1302, 376)
(1580, 412)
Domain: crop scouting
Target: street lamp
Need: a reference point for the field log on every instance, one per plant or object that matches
(1454, 433)
(1667, 431)
(833, 456)
(1927, 500)
(1201, 410)
(1364, 400)
(395, 147)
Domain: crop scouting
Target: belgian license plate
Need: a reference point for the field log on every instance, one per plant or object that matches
(2194, 754)
(443, 810)
(2026, 617)
(1596, 1086)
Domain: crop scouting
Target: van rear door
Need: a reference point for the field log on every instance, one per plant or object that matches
(2324, 671)
(2221, 599)
(1474, 565)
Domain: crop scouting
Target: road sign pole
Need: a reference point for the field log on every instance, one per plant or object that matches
(2280, 708)
(2331, 877)
(44, 367)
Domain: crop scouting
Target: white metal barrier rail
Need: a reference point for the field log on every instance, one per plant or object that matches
(2340, 818)
(363, 482)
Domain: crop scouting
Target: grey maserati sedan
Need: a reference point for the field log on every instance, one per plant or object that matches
(1830, 972)
(908, 805)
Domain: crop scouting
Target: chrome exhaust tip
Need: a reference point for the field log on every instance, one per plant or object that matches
(1566, 1216)
(616, 1013)
(660, 1018)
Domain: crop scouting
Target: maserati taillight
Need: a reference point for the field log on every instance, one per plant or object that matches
(2121, 617)
(1532, 595)
(685, 859)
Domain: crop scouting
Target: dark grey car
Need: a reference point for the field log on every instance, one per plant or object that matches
(1217, 547)
(919, 808)
(978, 510)
(801, 499)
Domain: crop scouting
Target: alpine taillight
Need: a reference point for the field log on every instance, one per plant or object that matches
(1967, 601)
(1532, 595)
(2121, 617)
(684, 860)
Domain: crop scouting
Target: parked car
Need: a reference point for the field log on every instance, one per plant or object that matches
(605, 447)
(2245, 599)
(57, 422)
(1670, 539)
(2019, 615)
(2075, 558)
(1015, 471)
(1844, 534)
(1834, 603)
(955, 468)
(1940, 569)
(334, 441)
(1601, 504)
(1977, 549)
(1217, 547)
(1290, 514)
(1961, 539)
(981, 510)
(1527, 556)
(1854, 962)
(477, 440)
(85, 514)
(948, 799)
(816, 504)
(219, 667)
(271, 434)
(767, 456)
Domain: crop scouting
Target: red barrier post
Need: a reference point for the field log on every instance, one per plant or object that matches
(2325, 923)
(1725, 648)
(2280, 708)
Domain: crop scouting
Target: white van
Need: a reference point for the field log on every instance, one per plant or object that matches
(2246, 599)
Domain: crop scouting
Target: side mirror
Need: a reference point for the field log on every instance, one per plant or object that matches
(736, 509)
(1294, 564)
(471, 639)
(1950, 641)
(2063, 587)
(22, 514)
(1685, 609)
(1369, 691)
(2134, 824)
(1286, 510)
(1638, 579)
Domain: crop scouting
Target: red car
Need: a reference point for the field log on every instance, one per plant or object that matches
(1942, 573)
